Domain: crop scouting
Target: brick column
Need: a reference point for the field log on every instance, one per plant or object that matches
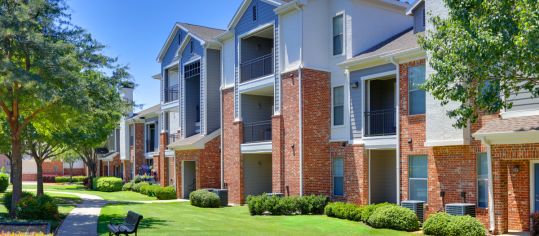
(233, 136)
(499, 171)
(138, 152)
(163, 164)
(127, 170)
(277, 154)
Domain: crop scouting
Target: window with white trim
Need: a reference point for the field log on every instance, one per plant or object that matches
(482, 180)
(338, 176)
(416, 95)
(338, 35)
(417, 178)
(338, 105)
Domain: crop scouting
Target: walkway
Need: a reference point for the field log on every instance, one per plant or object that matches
(83, 219)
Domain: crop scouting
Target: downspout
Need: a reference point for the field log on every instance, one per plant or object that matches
(397, 114)
(491, 217)
(300, 104)
(222, 162)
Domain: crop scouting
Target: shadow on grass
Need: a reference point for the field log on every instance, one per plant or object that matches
(146, 223)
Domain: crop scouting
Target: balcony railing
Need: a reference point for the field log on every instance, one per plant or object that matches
(172, 93)
(173, 137)
(380, 123)
(257, 67)
(257, 132)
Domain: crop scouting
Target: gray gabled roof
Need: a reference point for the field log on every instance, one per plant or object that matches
(510, 125)
(398, 42)
(206, 34)
(148, 111)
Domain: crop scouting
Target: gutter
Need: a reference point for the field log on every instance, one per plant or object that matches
(397, 113)
(491, 219)
(300, 101)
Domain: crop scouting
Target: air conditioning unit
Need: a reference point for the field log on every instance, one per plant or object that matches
(416, 206)
(460, 209)
(222, 193)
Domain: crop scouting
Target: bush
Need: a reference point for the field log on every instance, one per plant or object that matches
(37, 208)
(109, 184)
(166, 193)
(4, 182)
(436, 224)
(369, 209)
(127, 186)
(343, 210)
(394, 217)
(142, 178)
(150, 190)
(48, 178)
(312, 204)
(275, 205)
(204, 198)
(7, 198)
(136, 187)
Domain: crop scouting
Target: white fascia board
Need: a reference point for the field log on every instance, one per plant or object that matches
(288, 7)
(440, 143)
(225, 36)
(512, 137)
(238, 14)
(410, 10)
(167, 43)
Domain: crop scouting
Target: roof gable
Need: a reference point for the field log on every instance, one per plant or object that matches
(245, 4)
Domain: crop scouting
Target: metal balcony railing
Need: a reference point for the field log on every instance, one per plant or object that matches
(257, 67)
(173, 138)
(257, 132)
(172, 93)
(380, 123)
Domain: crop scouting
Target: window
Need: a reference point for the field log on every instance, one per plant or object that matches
(338, 176)
(482, 180)
(254, 13)
(191, 46)
(338, 35)
(338, 105)
(417, 178)
(416, 96)
(131, 135)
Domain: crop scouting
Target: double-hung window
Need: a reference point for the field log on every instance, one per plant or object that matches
(338, 35)
(338, 105)
(417, 178)
(482, 180)
(338, 176)
(416, 96)
(131, 135)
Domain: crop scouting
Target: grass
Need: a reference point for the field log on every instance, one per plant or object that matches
(79, 188)
(183, 219)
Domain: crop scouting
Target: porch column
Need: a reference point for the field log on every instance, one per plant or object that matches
(499, 173)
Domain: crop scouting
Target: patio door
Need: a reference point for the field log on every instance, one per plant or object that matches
(536, 186)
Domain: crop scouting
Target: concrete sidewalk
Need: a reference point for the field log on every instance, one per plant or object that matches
(83, 219)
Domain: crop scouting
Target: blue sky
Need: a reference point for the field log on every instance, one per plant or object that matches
(135, 30)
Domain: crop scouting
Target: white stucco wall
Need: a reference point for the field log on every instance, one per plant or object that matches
(290, 41)
(228, 62)
(174, 121)
(438, 125)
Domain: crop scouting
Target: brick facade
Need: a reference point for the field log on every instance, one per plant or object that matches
(356, 172)
(162, 162)
(233, 165)
(208, 166)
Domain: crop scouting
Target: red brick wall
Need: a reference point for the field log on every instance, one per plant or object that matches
(162, 163)
(76, 171)
(233, 165)
(139, 147)
(208, 166)
(356, 172)
(277, 155)
(290, 132)
(53, 168)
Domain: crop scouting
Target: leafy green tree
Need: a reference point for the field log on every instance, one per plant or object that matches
(48, 67)
(483, 52)
(69, 157)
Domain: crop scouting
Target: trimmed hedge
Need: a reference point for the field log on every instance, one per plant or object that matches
(394, 217)
(149, 190)
(37, 208)
(108, 184)
(4, 182)
(369, 209)
(7, 198)
(142, 178)
(343, 210)
(204, 198)
(127, 186)
(67, 179)
(136, 187)
(275, 205)
(166, 193)
(443, 224)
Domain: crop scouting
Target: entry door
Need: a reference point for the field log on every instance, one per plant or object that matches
(536, 186)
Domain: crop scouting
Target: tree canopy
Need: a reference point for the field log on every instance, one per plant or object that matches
(483, 52)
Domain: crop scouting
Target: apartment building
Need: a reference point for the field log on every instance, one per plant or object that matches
(190, 109)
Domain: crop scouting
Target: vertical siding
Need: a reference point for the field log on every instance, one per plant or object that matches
(187, 115)
(419, 23)
(213, 81)
(277, 83)
(356, 96)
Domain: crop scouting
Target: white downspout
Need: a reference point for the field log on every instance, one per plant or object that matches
(397, 114)
(300, 101)
(222, 162)
(491, 217)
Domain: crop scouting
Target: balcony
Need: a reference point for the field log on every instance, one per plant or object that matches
(257, 67)
(380, 123)
(255, 132)
(172, 93)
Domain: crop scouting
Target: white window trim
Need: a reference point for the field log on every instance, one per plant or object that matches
(532, 184)
(343, 14)
(333, 177)
(333, 106)
(426, 179)
(478, 179)
(408, 92)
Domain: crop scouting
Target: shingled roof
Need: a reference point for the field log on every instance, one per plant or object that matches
(510, 125)
(205, 33)
(398, 42)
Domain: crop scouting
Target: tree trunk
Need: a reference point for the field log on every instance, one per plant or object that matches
(71, 172)
(16, 163)
(39, 165)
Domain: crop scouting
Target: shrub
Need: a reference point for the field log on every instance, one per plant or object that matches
(394, 217)
(275, 205)
(369, 209)
(343, 210)
(312, 204)
(464, 225)
(150, 190)
(37, 208)
(436, 224)
(166, 193)
(127, 186)
(109, 184)
(136, 187)
(48, 178)
(204, 198)
(4, 182)
(7, 198)
(143, 178)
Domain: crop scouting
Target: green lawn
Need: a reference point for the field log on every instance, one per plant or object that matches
(184, 219)
(78, 188)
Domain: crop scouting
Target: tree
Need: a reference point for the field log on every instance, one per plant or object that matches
(47, 67)
(483, 52)
(69, 157)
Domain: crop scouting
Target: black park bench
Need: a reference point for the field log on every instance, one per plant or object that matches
(129, 225)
